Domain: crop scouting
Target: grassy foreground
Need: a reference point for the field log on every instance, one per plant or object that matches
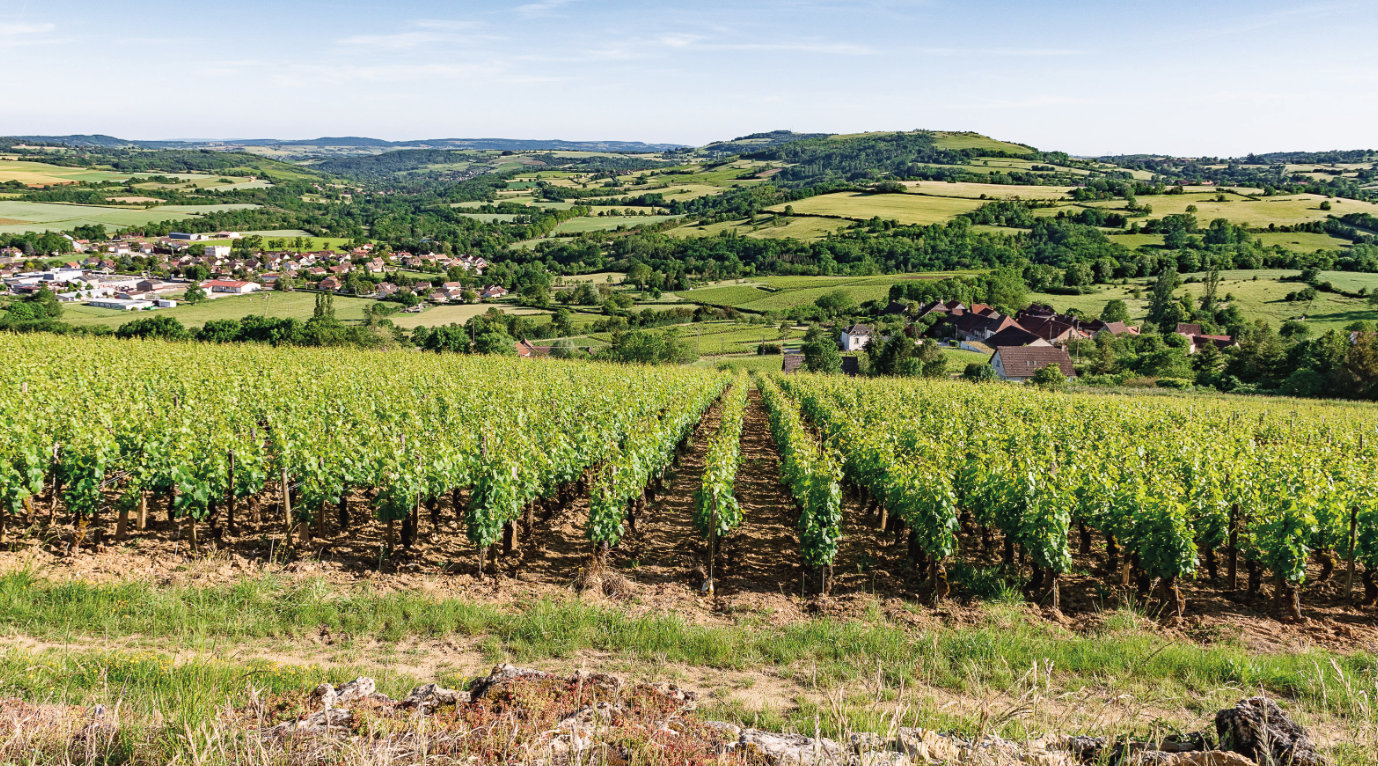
(170, 657)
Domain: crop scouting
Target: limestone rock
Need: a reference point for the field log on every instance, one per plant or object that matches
(791, 749)
(330, 720)
(925, 746)
(502, 674)
(866, 742)
(431, 697)
(1199, 758)
(359, 688)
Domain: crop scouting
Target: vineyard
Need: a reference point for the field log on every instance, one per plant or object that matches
(1170, 485)
(111, 440)
(106, 428)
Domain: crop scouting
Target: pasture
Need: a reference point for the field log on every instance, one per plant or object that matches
(609, 223)
(957, 141)
(721, 337)
(786, 292)
(920, 209)
(457, 313)
(1301, 241)
(987, 191)
(1242, 210)
(597, 278)
(806, 228)
(1258, 293)
(295, 305)
(735, 173)
(43, 174)
(22, 216)
(287, 240)
(491, 217)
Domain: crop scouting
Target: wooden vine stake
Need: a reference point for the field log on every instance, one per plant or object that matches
(121, 522)
(229, 509)
(1353, 539)
(286, 509)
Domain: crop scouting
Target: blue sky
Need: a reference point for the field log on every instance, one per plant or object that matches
(1209, 77)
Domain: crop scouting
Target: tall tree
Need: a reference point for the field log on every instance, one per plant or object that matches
(1160, 301)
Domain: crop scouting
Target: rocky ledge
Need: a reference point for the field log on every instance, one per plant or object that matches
(519, 715)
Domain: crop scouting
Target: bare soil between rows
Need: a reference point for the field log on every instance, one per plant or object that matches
(662, 564)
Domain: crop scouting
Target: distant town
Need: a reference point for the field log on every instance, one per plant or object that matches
(137, 273)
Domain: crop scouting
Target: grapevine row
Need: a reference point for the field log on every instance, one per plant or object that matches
(1169, 484)
(813, 477)
(645, 453)
(100, 424)
(716, 510)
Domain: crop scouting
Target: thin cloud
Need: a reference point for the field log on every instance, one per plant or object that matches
(542, 7)
(20, 29)
(423, 33)
(15, 34)
(1034, 52)
(699, 42)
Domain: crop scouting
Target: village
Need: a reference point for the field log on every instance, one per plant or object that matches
(1019, 346)
(137, 273)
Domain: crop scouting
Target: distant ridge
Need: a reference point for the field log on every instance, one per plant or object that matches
(360, 143)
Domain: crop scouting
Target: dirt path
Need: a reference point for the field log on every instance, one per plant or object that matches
(762, 557)
(666, 548)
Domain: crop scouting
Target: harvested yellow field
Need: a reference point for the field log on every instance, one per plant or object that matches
(989, 191)
(1283, 211)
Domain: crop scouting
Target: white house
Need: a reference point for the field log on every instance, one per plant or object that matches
(166, 303)
(230, 286)
(218, 251)
(855, 338)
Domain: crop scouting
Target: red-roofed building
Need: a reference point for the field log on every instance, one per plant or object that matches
(1019, 363)
(230, 286)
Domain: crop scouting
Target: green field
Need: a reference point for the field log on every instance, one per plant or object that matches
(289, 238)
(781, 293)
(19, 216)
(717, 338)
(491, 217)
(1301, 241)
(807, 228)
(1260, 298)
(44, 174)
(947, 140)
(672, 188)
(958, 359)
(609, 223)
(919, 209)
(1133, 241)
(295, 305)
(457, 313)
(735, 173)
(597, 278)
(993, 164)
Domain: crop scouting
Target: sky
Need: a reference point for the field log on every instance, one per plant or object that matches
(1200, 78)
